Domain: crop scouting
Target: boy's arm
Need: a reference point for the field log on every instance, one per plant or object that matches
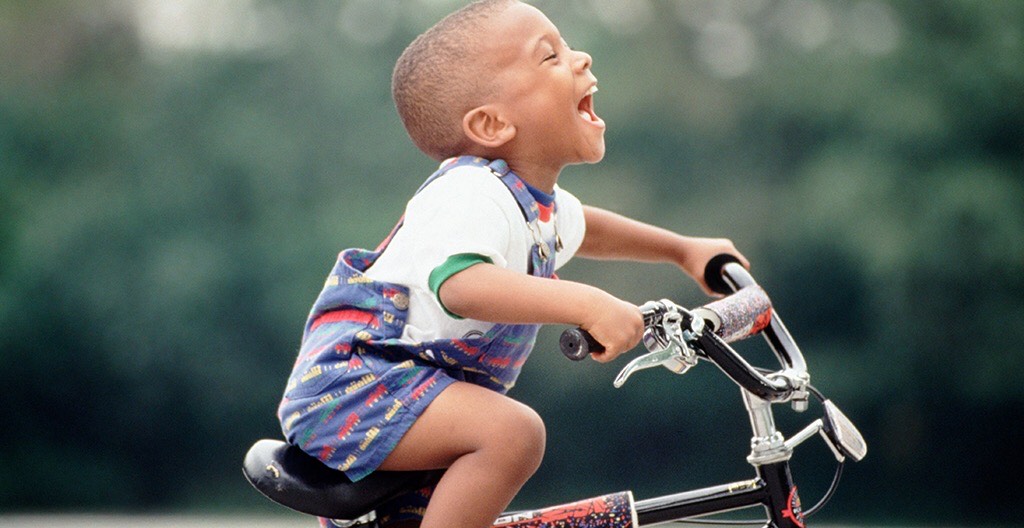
(492, 293)
(613, 236)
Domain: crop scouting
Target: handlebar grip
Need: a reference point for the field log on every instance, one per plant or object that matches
(713, 273)
(739, 315)
(577, 343)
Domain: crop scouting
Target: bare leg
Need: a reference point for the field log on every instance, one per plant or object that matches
(491, 445)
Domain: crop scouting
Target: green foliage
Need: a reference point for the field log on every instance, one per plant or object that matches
(173, 190)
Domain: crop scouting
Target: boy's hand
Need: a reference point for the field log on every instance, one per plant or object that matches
(701, 250)
(617, 325)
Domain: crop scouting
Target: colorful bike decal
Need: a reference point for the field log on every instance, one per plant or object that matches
(615, 510)
(793, 510)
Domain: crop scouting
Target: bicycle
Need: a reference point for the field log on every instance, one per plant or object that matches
(676, 339)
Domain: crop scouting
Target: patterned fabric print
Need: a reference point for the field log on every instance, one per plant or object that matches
(359, 413)
(355, 388)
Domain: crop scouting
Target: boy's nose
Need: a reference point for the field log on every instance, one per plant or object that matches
(583, 60)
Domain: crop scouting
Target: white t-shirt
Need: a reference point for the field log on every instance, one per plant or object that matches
(467, 210)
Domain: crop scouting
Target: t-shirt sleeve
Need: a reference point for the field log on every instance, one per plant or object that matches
(461, 213)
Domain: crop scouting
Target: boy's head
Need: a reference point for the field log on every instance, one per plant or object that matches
(437, 79)
(496, 79)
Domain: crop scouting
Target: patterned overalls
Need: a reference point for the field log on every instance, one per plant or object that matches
(356, 388)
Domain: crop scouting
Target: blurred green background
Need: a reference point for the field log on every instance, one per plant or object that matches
(177, 176)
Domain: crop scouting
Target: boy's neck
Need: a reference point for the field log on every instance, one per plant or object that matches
(537, 175)
(540, 175)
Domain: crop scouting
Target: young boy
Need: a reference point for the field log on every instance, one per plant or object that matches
(409, 350)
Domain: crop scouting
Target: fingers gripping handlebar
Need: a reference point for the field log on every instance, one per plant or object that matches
(577, 343)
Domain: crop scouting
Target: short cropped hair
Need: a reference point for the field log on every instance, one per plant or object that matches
(435, 81)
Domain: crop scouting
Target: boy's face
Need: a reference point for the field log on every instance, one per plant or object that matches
(546, 89)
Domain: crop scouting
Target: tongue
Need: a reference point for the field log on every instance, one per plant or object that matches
(586, 109)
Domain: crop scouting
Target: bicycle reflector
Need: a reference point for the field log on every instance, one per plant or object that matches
(843, 434)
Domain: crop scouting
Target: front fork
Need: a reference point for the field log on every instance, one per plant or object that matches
(782, 501)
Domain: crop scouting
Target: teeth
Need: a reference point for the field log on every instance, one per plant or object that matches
(587, 106)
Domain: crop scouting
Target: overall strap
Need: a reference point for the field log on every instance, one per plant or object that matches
(527, 203)
(545, 250)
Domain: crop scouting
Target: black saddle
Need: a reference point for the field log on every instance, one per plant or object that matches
(288, 476)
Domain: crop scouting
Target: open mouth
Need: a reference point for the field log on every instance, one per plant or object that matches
(585, 108)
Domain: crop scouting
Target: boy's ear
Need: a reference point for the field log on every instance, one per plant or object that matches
(486, 126)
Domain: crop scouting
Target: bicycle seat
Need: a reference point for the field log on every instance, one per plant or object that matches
(288, 476)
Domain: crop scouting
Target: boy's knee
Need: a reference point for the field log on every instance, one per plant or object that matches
(525, 438)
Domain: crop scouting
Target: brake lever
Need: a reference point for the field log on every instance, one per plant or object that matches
(667, 343)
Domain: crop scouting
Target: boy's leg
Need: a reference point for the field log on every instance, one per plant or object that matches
(491, 445)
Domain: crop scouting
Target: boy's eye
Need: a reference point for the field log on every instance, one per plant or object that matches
(552, 56)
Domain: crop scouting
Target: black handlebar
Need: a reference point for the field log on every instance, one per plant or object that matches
(577, 344)
(714, 274)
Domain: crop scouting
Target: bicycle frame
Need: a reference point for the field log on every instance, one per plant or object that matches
(783, 508)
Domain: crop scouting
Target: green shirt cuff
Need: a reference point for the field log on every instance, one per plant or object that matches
(453, 265)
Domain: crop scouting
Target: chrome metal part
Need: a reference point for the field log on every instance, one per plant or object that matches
(367, 520)
(767, 446)
(797, 380)
(667, 344)
(840, 430)
(671, 358)
(812, 429)
(836, 451)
